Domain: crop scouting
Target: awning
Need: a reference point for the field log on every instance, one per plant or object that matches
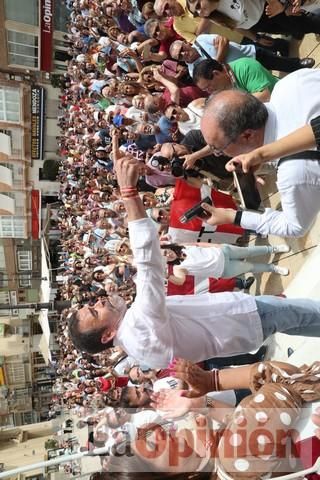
(35, 213)
(44, 297)
(7, 205)
(5, 144)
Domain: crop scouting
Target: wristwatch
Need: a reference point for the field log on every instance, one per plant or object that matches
(237, 218)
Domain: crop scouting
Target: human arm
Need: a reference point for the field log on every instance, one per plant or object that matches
(127, 52)
(128, 171)
(221, 45)
(179, 275)
(169, 84)
(148, 318)
(274, 7)
(190, 159)
(299, 204)
(115, 145)
(147, 55)
(201, 382)
(203, 26)
(154, 57)
(174, 404)
(297, 141)
(263, 96)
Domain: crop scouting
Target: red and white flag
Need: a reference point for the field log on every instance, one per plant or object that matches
(185, 196)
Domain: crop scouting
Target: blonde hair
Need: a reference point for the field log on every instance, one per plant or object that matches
(147, 9)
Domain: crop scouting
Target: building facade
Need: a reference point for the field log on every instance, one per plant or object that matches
(31, 48)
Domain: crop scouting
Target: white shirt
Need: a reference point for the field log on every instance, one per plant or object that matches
(170, 383)
(158, 328)
(235, 50)
(295, 100)
(193, 123)
(245, 13)
(140, 420)
(203, 262)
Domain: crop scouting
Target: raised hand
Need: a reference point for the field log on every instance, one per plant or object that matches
(128, 171)
(199, 381)
(172, 403)
(246, 161)
(218, 216)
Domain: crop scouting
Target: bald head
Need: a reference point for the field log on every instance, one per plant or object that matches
(231, 113)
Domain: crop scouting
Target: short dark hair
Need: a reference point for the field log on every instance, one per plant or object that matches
(236, 117)
(89, 341)
(177, 249)
(135, 382)
(205, 69)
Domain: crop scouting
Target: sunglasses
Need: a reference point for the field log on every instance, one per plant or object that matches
(156, 32)
(173, 114)
(161, 215)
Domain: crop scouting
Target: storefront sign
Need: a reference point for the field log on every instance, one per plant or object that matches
(35, 213)
(37, 122)
(46, 28)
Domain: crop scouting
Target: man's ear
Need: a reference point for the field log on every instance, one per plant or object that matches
(107, 335)
(248, 134)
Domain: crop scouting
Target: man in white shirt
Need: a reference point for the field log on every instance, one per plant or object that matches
(235, 123)
(219, 48)
(158, 328)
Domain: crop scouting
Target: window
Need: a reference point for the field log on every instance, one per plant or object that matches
(2, 258)
(61, 14)
(24, 260)
(10, 105)
(7, 421)
(23, 49)
(12, 227)
(15, 373)
(25, 280)
(5, 297)
(16, 10)
(3, 280)
(60, 66)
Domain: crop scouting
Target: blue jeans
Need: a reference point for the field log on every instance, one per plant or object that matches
(288, 315)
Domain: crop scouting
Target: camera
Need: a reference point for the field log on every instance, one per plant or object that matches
(176, 166)
(159, 162)
(196, 211)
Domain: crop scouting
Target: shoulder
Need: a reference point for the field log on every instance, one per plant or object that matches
(246, 63)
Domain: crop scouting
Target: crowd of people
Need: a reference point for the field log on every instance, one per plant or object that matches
(161, 100)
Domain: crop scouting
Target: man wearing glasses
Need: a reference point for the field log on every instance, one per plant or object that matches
(236, 123)
(161, 34)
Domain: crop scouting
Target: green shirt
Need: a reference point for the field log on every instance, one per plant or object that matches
(251, 76)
